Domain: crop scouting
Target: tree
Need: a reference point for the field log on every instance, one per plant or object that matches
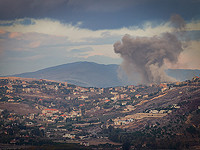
(126, 146)
(191, 130)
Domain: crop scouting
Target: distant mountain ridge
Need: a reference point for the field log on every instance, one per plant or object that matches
(90, 74)
(183, 74)
(86, 74)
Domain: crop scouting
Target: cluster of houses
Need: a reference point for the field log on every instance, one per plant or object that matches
(148, 114)
(51, 115)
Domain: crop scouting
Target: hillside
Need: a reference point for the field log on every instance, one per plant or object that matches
(164, 116)
(89, 74)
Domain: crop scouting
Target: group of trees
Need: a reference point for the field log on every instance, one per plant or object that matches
(152, 138)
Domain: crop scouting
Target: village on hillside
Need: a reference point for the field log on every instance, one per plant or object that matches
(38, 111)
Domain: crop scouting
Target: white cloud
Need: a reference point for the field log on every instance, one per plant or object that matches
(78, 34)
(193, 25)
(52, 27)
(75, 33)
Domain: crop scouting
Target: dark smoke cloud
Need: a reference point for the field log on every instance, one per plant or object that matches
(144, 57)
(177, 22)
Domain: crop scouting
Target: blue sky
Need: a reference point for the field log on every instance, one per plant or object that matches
(36, 34)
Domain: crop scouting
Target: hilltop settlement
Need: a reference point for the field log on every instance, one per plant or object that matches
(36, 113)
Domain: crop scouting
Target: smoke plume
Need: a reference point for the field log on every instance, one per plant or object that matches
(144, 57)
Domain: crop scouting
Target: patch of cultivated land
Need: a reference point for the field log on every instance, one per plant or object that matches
(36, 95)
(19, 108)
(95, 141)
(101, 141)
(145, 115)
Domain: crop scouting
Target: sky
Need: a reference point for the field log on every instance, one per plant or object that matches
(36, 34)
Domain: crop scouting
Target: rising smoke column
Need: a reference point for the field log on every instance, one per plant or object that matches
(146, 56)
